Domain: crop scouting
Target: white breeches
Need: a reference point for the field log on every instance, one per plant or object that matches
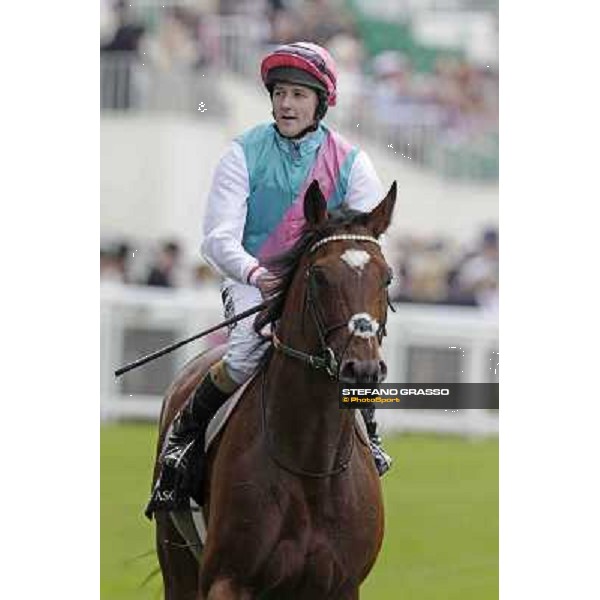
(245, 347)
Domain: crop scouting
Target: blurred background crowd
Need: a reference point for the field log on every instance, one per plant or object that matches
(421, 74)
(427, 270)
(418, 78)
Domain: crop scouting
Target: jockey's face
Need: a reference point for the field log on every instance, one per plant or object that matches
(294, 108)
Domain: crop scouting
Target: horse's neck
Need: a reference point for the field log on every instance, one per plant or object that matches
(304, 421)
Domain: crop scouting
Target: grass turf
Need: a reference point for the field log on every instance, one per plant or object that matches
(441, 500)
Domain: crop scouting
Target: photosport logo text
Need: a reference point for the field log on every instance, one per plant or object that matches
(419, 396)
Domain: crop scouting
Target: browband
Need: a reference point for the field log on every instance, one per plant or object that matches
(347, 236)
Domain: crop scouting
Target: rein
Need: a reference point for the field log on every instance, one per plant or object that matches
(290, 469)
(326, 360)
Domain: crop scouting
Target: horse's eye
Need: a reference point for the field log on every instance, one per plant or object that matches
(389, 277)
(319, 276)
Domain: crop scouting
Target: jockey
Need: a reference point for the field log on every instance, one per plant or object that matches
(249, 219)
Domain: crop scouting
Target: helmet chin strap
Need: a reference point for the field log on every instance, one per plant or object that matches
(308, 129)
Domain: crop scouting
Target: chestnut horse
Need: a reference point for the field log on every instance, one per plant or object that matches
(293, 501)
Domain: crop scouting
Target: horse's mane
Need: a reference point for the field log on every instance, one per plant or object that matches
(284, 265)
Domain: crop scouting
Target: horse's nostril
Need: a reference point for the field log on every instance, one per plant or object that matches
(348, 372)
(382, 370)
(363, 371)
(363, 325)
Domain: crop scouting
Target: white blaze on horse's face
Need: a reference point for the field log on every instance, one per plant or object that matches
(363, 325)
(357, 259)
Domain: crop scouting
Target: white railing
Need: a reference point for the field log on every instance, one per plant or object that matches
(131, 81)
(129, 85)
(424, 344)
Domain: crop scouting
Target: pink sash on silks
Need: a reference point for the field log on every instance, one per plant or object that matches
(326, 170)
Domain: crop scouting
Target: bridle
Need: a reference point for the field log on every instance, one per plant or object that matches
(326, 360)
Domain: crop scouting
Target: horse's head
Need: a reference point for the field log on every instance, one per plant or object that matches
(334, 308)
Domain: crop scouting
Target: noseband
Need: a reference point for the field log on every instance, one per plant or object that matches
(326, 360)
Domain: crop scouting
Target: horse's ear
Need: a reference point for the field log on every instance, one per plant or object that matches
(380, 217)
(315, 206)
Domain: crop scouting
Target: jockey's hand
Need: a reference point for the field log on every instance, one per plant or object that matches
(266, 283)
(264, 280)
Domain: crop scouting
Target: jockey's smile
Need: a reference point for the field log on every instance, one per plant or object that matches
(294, 108)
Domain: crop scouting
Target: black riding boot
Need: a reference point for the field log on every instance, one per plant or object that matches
(184, 448)
(383, 461)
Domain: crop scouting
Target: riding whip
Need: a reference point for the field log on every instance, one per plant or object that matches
(145, 359)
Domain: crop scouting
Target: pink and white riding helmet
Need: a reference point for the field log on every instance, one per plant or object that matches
(307, 57)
